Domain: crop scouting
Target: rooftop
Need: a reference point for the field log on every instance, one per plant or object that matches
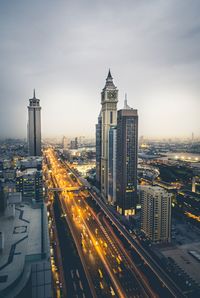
(24, 239)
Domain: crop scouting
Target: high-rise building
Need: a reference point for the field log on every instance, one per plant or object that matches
(98, 151)
(112, 158)
(30, 183)
(65, 142)
(127, 157)
(109, 99)
(34, 126)
(156, 213)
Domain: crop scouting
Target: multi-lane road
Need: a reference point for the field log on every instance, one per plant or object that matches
(114, 263)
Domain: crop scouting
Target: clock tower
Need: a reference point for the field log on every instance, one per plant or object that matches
(109, 99)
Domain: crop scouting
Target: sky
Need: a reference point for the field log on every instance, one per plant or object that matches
(64, 49)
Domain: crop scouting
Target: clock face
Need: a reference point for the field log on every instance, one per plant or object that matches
(112, 95)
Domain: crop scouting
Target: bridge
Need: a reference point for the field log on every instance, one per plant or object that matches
(66, 189)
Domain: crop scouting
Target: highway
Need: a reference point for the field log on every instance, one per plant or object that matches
(110, 267)
(106, 265)
(172, 290)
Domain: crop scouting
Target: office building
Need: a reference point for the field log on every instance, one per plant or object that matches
(112, 152)
(65, 143)
(109, 99)
(156, 213)
(127, 157)
(34, 126)
(30, 183)
(30, 162)
(74, 144)
(98, 151)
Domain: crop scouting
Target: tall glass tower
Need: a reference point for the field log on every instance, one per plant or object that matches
(98, 151)
(127, 157)
(34, 126)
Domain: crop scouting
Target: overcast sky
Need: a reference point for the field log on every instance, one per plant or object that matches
(65, 48)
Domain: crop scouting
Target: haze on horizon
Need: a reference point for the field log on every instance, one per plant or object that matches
(65, 48)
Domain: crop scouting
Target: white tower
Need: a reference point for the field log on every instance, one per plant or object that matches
(34, 126)
(109, 99)
(193, 184)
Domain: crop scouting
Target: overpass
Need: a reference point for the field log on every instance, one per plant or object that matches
(66, 189)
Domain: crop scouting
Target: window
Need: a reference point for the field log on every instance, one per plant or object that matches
(111, 117)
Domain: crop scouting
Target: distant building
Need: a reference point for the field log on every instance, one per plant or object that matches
(98, 151)
(2, 198)
(74, 144)
(109, 99)
(156, 213)
(34, 126)
(112, 159)
(194, 184)
(30, 183)
(31, 162)
(65, 143)
(127, 159)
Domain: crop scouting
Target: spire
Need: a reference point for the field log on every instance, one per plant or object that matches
(109, 82)
(34, 93)
(109, 77)
(126, 106)
(125, 101)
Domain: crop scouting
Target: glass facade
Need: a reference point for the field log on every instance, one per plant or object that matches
(127, 156)
(98, 151)
(112, 147)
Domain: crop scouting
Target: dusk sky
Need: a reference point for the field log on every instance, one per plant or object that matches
(65, 48)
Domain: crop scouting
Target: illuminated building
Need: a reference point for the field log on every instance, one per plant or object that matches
(109, 99)
(98, 151)
(193, 184)
(127, 159)
(29, 182)
(34, 126)
(112, 145)
(156, 213)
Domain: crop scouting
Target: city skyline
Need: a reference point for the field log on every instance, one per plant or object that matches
(65, 53)
(99, 149)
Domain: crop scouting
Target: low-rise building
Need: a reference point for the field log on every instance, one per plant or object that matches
(25, 269)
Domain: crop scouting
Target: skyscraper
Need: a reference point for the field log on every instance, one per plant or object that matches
(34, 126)
(109, 99)
(127, 156)
(98, 151)
(156, 213)
(112, 152)
(65, 142)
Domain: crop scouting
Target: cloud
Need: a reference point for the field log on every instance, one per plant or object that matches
(65, 48)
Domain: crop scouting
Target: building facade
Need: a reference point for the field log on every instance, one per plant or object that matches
(109, 99)
(156, 213)
(98, 151)
(112, 158)
(65, 143)
(34, 126)
(127, 159)
(30, 183)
